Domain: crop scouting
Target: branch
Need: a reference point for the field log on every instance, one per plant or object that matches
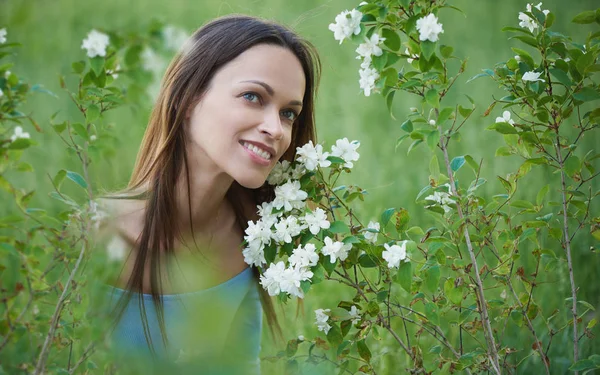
(489, 333)
(41, 364)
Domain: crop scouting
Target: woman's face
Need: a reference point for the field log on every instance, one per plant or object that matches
(243, 122)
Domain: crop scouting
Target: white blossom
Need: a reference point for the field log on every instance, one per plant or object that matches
(300, 338)
(517, 57)
(271, 279)
(370, 46)
(116, 248)
(3, 36)
(279, 173)
(412, 57)
(366, 63)
(151, 61)
(291, 279)
(346, 24)
(355, 315)
(432, 122)
(414, 109)
(254, 254)
(95, 44)
(336, 250)
(289, 196)
(532, 77)
(93, 137)
(36, 310)
(19, 133)
(321, 320)
(429, 28)
(527, 22)
(371, 236)
(441, 198)
(316, 220)
(505, 118)
(503, 294)
(368, 76)
(538, 7)
(114, 73)
(258, 232)
(1, 93)
(312, 156)
(394, 254)
(286, 229)
(346, 150)
(298, 171)
(174, 37)
(304, 256)
(97, 213)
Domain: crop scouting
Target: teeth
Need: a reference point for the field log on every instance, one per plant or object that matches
(258, 151)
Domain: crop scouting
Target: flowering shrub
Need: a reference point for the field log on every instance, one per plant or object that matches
(444, 297)
(50, 320)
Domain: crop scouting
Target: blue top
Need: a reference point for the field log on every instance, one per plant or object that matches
(212, 331)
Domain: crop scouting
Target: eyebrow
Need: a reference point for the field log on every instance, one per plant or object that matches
(271, 92)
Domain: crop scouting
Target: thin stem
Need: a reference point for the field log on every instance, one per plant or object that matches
(41, 364)
(489, 333)
(567, 245)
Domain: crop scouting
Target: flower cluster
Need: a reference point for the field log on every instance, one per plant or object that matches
(321, 320)
(95, 44)
(532, 77)
(525, 21)
(346, 24)
(19, 133)
(287, 217)
(441, 198)
(394, 254)
(429, 28)
(506, 118)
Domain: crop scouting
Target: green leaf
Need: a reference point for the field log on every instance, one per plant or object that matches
(363, 350)
(59, 178)
(434, 168)
(572, 165)
(457, 162)
(561, 76)
(407, 126)
(446, 51)
(587, 94)
(431, 312)
(19, 144)
(472, 163)
(432, 278)
(389, 100)
(583, 364)
(78, 67)
(529, 40)
(339, 227)
(80, 130)
(503, 128)
(334, 336)
(392, 40)
(386, 216)
(76, 177)
(588, 16)
(404, 276)
(541, 194)
(97, 64)
(92, 113)
(444, 115)
(525, 56)
(433, 98)
(522, 204)
(427, 48)
(367, 261)
(453, 293)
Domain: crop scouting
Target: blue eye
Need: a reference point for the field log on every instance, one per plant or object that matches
(289, 114)
(251, 97)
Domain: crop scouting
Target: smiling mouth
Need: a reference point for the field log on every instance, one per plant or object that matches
(257, 150)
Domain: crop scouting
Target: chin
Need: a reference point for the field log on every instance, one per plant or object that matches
(251, 183)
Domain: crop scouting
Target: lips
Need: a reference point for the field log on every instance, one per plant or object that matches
(259, 149)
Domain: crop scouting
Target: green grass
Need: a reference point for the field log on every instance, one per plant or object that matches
(51, 34)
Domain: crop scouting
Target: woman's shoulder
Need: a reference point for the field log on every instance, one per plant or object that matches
(123, 217)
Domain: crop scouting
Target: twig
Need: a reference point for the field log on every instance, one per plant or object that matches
(41, 364)
(489, 333)
(567, 244)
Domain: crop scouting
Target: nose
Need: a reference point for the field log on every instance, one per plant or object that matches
(272, 125)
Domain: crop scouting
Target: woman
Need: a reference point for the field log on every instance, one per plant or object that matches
(237, 98)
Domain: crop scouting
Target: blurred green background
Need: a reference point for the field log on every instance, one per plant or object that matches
(51, 33)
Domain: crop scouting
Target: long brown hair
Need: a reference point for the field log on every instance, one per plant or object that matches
(162, 157)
